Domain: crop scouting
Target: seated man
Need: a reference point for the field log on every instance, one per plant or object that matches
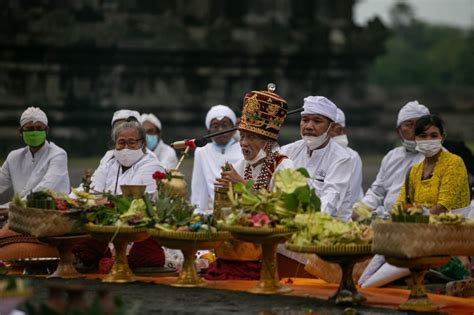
(40, 164)
(165, 154)
(209, 159)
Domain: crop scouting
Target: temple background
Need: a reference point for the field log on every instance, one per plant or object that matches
(82, 60)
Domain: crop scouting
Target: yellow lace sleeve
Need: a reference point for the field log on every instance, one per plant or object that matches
(454, 187)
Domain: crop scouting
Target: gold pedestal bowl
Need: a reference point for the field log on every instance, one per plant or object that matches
(120, 236)
(346, 256)
(189, 243)
(418, 300)
(269, 238)
(64, 244)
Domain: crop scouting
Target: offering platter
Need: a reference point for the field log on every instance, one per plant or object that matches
(64, 244)
(189, 243)
(269, 238)
(346, 256)
(120, 236)
(418, 300)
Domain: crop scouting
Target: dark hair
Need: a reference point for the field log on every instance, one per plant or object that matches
(425, 122)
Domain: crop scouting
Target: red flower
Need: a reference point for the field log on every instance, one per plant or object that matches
(159, 175)
(190, 143)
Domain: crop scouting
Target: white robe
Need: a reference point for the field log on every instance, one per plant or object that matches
(109, 175)
(383, 193)
(25, 173)
(166, 155)
(208, 161)
(356, 179)
(330, 170)
(242, 164)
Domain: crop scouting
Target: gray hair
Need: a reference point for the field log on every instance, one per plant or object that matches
(129, 125)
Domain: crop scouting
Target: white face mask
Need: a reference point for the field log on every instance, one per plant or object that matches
(260, 155)
(428, 147)
(409, 145)
(313, 142)
(127, 157)
(341, 140)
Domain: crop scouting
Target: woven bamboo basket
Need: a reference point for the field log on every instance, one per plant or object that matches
(43, 222)
(191, 236)
(412, 240)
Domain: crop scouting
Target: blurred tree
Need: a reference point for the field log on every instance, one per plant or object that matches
(422, 54)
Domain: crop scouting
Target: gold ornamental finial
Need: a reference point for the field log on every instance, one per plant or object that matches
(271, 87)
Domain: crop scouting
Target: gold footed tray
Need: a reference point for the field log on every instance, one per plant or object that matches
(120, 237)
(418, 300)
(346, 256)
(189, 243)
(64, 244)
(269, 239)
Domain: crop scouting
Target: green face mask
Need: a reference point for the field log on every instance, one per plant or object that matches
(34, 138)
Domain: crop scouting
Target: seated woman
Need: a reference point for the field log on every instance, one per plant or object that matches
(439, 183)
(263, 114)
(131, 164)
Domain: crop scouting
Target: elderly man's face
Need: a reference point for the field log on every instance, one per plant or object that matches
(314, 125)
(251, 144)
(406, 130)
(219, 125)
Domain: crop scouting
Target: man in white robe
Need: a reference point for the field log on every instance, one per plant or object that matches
(40, 165)
(209, 160)
(329, 164)
(165, 154)
(383, 192)
(338, 135)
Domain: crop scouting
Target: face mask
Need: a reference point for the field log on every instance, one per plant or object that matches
(152, 141)
(428, 147)
(34, 138)
(409, 145)
(341, 140)
(313, 142)
(127, 157)
(260, 155)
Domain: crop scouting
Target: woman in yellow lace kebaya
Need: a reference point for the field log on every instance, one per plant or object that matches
(439, 182)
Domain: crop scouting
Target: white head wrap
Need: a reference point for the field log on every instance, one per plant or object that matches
(152, 119)
(219, 112)
(33, 114)
(412, 110)
(340, 118)
(124, 114)
(321, 106)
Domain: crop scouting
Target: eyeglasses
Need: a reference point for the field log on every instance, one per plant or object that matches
(130, 143)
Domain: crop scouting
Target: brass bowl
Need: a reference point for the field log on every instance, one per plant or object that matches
(136, 191)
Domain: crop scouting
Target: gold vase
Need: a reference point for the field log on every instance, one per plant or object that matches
(221, 200)
(268, 238)
(177, 185)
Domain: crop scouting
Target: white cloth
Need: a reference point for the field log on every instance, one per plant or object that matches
(207, 168)
(152, 119)
(383, 193)
(412, 110)
(340, 118)
(219, 112)
(242, 164)
(379, 273)
(33, 114)
(109, 175)
(166, 155)
(25, 173)
(330, 169)
(319, 105)
(356, 178)
(124, 114)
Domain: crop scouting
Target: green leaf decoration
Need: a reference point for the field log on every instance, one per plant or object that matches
(288, 180)
(290, 202)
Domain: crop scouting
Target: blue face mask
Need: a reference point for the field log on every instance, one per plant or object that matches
(151, 141)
